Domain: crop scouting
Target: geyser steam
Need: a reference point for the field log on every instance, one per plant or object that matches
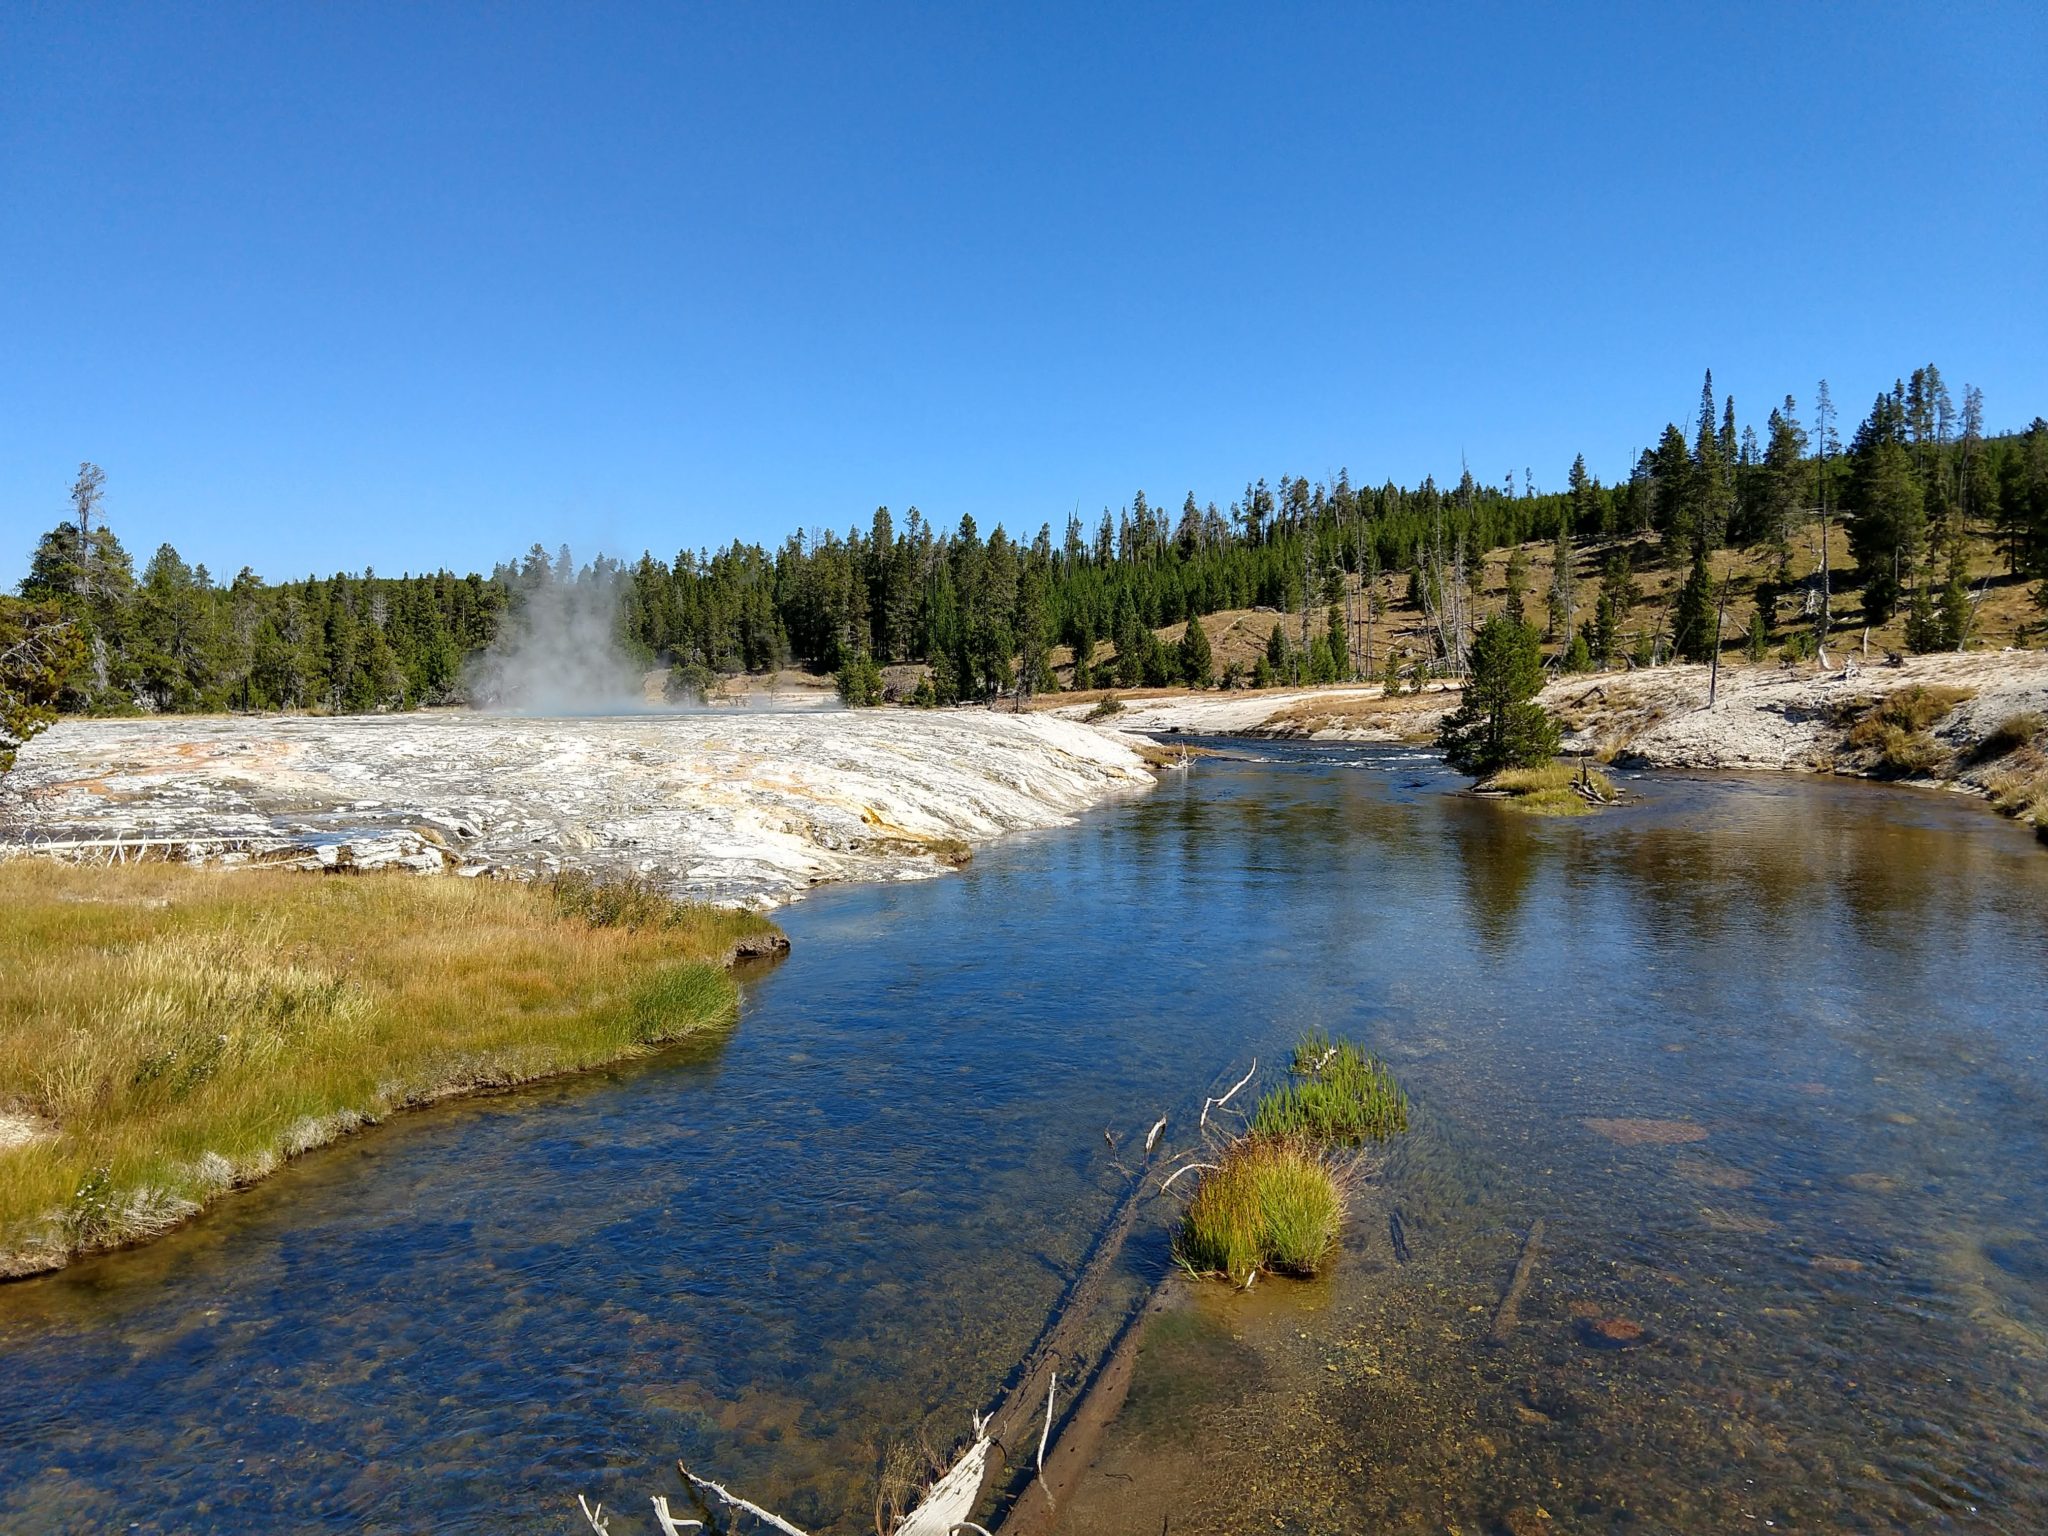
(559, 651)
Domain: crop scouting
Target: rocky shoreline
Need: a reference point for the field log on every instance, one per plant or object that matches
(1771, 717)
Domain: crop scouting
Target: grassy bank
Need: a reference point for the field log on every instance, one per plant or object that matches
(167, 1033)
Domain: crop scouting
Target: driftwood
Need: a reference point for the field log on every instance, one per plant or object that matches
(1511, 1304)
(734, 1501)
(1187, 1168)
(949, 1502)
(1209, 1104)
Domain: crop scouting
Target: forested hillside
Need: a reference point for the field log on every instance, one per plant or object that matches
(1919, 487)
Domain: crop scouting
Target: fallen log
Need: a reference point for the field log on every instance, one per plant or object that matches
(1511, 1304)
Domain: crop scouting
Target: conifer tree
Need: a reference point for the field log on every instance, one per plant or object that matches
(1692, 624)
(1955, 596)
(1517, 583)
(1498, 723)
(1562, 587)
(40, 645)
(1197, 665)
(1277, 656)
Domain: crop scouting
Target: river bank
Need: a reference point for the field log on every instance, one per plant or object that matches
(1977, 723)
(738, 807)
(168, 1034)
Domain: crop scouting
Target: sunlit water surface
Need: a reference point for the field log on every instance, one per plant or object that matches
(841, 1225)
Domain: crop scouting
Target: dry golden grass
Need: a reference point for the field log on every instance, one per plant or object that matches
(167, 1033)
(2018, 784)
(1894, 729)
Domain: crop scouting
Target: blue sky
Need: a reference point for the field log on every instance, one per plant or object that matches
(330, 286)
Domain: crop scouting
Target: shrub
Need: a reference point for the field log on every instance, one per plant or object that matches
(1106, 706)
(1911, 709)
(1274, 1203)
(1339, 1096)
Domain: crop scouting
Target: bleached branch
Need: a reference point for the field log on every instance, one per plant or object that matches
(734, 1501)
(1209, 1104)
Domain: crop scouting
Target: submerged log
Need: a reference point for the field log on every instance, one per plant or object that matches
(1511, 1304)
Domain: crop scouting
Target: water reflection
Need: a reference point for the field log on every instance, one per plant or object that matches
(846, 1221)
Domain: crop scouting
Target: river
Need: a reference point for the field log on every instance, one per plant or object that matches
(840, 1226)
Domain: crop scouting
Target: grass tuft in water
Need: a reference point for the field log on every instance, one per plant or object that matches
(1276, 1198)
(1337, 1096)
(1274, 1203)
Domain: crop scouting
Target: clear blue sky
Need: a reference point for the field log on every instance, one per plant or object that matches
(323, 286)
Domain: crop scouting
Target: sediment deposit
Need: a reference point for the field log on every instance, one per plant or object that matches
(731, 806)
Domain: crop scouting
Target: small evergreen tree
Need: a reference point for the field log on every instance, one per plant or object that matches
(1692, 626)
(1197, 664)
(39, 649)
(859, 681)
(1498, 723)
(1955, 597)
(1579, 658)
(1759, 637)
(1561, 587)
(1923, 629)
(1605, 628)
(1518, 583)
(1277, 656)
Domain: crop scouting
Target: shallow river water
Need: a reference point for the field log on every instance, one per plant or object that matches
(1765, 1055)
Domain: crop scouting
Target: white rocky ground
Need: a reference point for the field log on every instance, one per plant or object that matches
(736, 806)
(1763, 717)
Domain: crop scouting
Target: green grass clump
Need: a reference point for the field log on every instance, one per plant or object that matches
(1109, 704)
(1274, 1203)
(1338, 1096)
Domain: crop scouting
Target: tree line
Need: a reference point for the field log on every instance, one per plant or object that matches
(983, 612)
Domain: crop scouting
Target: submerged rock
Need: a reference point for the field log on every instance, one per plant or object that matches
(1634, 1132)
(1610, 1332)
